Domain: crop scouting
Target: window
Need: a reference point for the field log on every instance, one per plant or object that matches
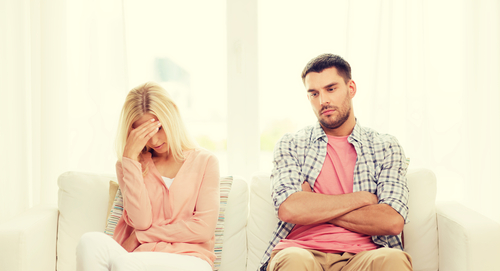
(182, 46)
(285, 46)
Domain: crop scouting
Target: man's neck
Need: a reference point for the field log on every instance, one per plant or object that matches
(344, 130)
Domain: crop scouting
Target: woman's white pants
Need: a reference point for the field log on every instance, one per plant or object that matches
(97, 251)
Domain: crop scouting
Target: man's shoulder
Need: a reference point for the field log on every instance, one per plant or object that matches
(304, 134)
(374, 137)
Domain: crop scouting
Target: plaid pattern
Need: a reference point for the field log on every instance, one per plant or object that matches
(380, 169)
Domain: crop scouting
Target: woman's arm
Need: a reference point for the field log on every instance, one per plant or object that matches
(131, 243)
(136, 203)
(200, 227)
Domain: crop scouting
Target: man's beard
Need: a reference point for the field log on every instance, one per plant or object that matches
(341, 119)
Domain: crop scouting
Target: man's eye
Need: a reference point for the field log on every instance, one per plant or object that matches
(314, 94)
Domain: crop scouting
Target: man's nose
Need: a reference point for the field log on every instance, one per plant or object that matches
(323, 99)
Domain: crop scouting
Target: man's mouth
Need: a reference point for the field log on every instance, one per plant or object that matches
(327, 111)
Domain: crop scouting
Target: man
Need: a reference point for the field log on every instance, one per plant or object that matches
(339, 189)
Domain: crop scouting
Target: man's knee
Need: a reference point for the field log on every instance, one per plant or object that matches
(293, 258)
(391, 257)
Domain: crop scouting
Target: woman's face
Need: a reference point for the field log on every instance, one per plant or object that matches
(158, 142)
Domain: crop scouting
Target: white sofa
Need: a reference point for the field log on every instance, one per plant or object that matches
(446, 236)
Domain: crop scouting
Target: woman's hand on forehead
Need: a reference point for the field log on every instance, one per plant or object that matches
(139, 137)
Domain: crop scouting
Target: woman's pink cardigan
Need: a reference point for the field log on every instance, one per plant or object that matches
(181, 219)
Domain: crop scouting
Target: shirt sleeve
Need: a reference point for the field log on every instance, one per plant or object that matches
(136, 203)
(286, 176)
(200, 227)
(392, 187)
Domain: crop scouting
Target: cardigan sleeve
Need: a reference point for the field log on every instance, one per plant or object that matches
(198, 228)
(136, 204)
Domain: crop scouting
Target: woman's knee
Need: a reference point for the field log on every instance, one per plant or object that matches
(123, 262)
(89, 239)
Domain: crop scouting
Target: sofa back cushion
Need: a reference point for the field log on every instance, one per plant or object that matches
(420, 235)
(234, 247)
(262, 220)
(83, 202)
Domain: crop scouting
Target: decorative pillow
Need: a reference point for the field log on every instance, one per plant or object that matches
(115, 213)
(225, 187)
(113, 187)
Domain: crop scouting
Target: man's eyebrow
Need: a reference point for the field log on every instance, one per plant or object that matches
(331, 85)
(327, 86)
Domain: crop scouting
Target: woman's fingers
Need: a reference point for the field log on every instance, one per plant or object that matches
(152, 130)
(152, 133)
(139, 137)
(145, 129)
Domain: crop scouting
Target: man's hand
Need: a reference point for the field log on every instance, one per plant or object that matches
(306, 187)
(372, 198)
(131, 243)
(375, 219)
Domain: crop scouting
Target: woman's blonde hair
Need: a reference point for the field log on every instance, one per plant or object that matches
(153, 99)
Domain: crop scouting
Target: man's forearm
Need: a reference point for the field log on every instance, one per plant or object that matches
(305, 208)
(376, 219)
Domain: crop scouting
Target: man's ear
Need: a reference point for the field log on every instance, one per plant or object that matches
(352, 88)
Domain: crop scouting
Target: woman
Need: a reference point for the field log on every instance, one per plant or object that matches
(170, 193)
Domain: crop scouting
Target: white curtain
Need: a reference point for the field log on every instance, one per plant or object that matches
(429, 73)
(62, 83)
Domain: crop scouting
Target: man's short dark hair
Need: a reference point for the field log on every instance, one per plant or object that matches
(325, 61)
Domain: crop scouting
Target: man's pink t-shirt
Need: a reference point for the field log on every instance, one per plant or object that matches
(335, 178)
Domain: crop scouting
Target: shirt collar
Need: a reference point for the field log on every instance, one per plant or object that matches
(318, 132)
(356, 135)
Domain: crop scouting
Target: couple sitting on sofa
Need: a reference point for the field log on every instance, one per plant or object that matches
(339, 189)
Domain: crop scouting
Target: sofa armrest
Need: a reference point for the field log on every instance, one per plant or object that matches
(28, 241)
(468, 241)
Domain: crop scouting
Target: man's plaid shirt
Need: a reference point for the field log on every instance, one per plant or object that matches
(380, 169)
